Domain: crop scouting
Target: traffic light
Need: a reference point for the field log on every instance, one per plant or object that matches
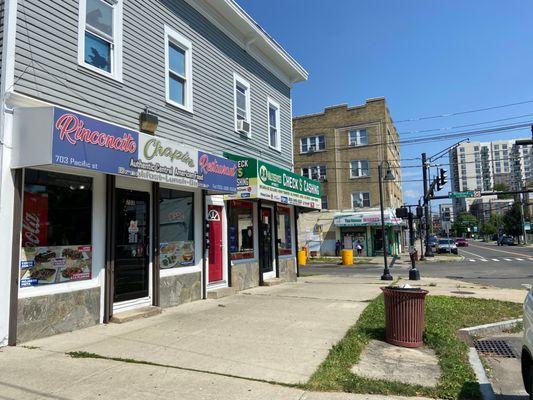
(419, 212)
(443, 177)
(402, 212)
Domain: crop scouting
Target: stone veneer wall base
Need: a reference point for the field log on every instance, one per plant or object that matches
(180, 289)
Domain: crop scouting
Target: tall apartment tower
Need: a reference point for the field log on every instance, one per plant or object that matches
(483, 165)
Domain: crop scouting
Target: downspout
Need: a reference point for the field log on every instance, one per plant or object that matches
(205, 244)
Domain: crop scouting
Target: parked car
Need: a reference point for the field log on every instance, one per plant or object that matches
(506, 241)
(446, 246)
(433, 242)
(461, 242)
(527, 345)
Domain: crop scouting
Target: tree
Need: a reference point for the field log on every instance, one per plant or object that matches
(492, 225)
(502, 187)
(512, 221)
(463, 222)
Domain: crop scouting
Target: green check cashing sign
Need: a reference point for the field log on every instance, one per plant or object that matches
(258, 179)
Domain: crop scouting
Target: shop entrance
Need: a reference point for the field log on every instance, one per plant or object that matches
(215, 240)
(267, 243)
(132, 244)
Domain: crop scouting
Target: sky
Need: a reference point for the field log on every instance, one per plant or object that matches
(427, 58)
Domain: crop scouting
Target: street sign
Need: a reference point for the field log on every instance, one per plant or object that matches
(457, 195)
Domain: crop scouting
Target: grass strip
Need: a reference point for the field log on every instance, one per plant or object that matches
(444, 317)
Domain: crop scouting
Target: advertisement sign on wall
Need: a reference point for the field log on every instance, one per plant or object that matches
(258, 179)
(80, 141)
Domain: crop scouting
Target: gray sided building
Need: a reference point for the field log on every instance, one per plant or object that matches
(105, 208)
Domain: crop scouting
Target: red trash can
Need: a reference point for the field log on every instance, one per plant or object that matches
(404, 316)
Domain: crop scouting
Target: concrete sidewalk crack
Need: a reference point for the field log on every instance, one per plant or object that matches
(83, 354)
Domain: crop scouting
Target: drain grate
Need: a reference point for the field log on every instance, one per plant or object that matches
(494, 348)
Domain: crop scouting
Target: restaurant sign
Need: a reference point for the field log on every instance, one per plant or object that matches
(366, 218)
(258, 179)
(75, 140)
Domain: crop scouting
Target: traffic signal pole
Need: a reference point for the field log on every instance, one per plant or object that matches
(428, 252)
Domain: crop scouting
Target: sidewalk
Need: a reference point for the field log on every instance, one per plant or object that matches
(214, 349)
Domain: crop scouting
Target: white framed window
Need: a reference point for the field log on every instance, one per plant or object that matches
(274, 133)
(358, 137)
(241, 90)
(360, 199)
(311, 144)
(100, 37)
(359, 169)
(178, 69)
(316, 172)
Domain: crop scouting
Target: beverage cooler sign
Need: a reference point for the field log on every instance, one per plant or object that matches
(84, 142)
(45, 265)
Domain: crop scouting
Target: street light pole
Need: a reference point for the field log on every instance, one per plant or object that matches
(429, 251)
(386, 272)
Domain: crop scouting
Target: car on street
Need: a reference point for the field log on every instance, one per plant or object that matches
(446, 246)
(527, 345)
(506, 241)
(432, 241)
(461, 242)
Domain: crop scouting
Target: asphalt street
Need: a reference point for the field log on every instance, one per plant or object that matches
(484, 263)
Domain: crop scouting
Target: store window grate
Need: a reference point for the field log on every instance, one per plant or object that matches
(495, 348)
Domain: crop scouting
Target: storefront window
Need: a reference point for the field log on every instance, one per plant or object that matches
(284, 231)
(56, 228)
(241, 230)
(176, 228)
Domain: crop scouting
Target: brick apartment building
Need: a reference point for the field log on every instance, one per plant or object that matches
(342, 147)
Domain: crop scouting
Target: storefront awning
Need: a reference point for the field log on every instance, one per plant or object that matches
(260, 180)
(55, 136)
(366, 218)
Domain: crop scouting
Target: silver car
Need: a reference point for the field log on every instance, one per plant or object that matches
(446, 246)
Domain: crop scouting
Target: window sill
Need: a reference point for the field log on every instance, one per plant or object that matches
(359, 177)
(243, 261)
(278, 149)
(357, 145)
(101, 73)
(312, 152)
(180, 106)
(244, 134)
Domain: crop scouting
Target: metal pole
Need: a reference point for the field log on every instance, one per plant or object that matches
(386, 272)
(523, 218)
(429, 252)
(414, 274)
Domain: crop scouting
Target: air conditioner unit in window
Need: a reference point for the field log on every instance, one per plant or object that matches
(312, 149)
(243, 126)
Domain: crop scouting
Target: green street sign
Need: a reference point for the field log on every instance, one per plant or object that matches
(458, 195)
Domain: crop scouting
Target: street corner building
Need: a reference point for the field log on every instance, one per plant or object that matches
(132, 141)
(343, 147)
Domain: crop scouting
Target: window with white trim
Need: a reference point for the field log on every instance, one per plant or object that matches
(178, 69)
(359, 168)
(316, 172)
(100, 36)
(274, 135)
(241, 89)
(358, 137)
(360, 199)
(311, 144)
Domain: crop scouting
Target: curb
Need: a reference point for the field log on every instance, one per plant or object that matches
(485, 387)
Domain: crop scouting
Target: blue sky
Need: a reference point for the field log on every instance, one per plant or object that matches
(426, 57)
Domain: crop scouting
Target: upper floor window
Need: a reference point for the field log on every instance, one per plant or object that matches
(312, 143)
(317, 172)
(178, 69)
(274, 136)
(360, 199)
(100, 36)
(241, 89)
(324, 202)
(358, 137)
(359, 168)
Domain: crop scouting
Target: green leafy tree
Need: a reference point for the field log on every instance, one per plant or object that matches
(463, 222)
(502, 187)
(512, 221)
(492, 225)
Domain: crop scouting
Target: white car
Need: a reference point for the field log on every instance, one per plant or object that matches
(527, 348)
(446, 246)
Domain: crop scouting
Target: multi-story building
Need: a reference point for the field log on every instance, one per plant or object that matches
(446, 212)
(114, 119)
(486, 165)
(342, 147)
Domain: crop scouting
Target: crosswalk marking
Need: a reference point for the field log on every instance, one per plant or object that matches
(484, 260)
(498, 259)
(507, 259)
(472, 260)
(519, 259)
(495, 259)
(530, 259)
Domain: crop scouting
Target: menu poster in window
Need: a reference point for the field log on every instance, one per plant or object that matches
(35, 219)
(54, 264)
(176, 232)
(175, 254)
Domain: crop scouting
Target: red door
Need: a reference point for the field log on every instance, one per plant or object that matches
(214, 214)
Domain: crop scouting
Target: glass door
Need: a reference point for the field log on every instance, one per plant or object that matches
(267, 244)
(132, 244)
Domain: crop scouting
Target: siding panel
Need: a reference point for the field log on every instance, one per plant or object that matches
(47, 33)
